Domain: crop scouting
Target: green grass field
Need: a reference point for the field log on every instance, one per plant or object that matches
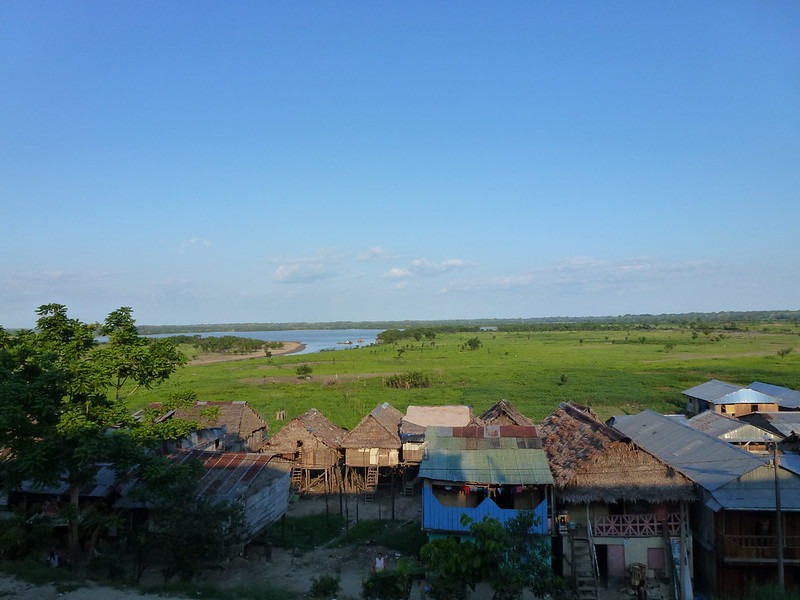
(614, 372)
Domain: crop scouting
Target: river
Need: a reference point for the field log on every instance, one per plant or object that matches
(315, 340)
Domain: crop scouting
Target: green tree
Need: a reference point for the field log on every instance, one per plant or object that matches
(473, 343)
(176, 510)
(63, 409)
(304, 371)
(508, 557)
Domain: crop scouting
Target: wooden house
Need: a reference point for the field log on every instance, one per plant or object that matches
(728, 399)
(313, 444)
(617, 505)
(503, 413)
(739, 432)
(494, 471)
(372, 446)
(734, 524)
(242, 429)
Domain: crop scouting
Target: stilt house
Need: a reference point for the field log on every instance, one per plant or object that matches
(313, 445)
(373, 445)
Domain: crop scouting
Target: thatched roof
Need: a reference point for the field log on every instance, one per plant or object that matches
(379, 429)
(417, 418)
(503, 413)
(237, 417)
(591, 462)
(312, 423)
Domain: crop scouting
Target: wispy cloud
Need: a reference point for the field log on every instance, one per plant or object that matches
(49, 281)
(422, 267)
(376, 253)
(307, 269)
(588, 274)
(195, 242)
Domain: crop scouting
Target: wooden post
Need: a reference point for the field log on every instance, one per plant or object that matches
(778, 516)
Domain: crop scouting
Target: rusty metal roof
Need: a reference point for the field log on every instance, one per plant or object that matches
(230, 475)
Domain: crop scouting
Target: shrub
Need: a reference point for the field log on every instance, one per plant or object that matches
(324, 586)
(408, 380)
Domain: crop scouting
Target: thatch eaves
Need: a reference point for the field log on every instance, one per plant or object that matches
(503, 413)
(379, 429)
(238, 418)
(592, 462)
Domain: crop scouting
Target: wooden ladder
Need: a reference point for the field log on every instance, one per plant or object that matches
(371, 484)
(584, 572)
(297, 478)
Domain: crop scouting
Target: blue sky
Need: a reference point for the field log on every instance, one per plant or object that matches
(214, 162)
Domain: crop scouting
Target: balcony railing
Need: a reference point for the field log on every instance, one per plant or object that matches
(648, 525)
(757, 547)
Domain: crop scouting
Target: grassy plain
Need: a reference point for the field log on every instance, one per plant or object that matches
(614, 372)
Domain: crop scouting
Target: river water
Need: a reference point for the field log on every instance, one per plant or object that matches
(315, 340)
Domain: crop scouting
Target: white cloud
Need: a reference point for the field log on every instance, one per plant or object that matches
(196, 242)
(423, 267)
(586, 274)
(375, 253)
(307, 269)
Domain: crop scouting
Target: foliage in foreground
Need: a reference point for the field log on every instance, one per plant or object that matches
(768, 592)
(507, 557)
(252, 591)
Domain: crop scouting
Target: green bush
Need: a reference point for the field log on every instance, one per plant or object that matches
(324, 586)
(408, 380)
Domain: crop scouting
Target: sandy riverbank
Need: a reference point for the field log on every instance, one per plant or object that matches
(215, 357)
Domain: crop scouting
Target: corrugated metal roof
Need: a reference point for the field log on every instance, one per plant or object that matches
(507, 455)
(228, 475)
(101, 486)
(706, 460)
(788, 398)
(728, 429)
(785, 423)
(711, 390)
(756, 491)
(791, 462)
(746, 396)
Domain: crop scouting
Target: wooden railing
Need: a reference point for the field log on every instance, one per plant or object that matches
(647, 525)
(757, 546)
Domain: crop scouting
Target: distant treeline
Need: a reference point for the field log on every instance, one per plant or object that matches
(715, 319)
(226, 344)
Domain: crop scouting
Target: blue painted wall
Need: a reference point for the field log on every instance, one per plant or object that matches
(436, 517)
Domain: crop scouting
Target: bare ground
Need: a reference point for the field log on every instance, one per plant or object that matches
(215, 357)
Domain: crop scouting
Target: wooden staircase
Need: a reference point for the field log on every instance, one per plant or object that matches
(584, 565)
(370, 484)
(296, 481)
